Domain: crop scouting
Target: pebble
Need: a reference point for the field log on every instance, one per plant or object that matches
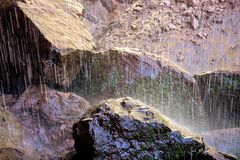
(172, 26)
(166, 3)
(192, 3)
(133, 27)
(194, 22)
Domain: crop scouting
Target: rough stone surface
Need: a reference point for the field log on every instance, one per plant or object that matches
(47, 117)
(14, 154)
(125, 128)
(14, 143)
(218, 50)
(221, 99)
(224, 140)
(141, 75)
(212, 154)
(128, 129)
(36, 36)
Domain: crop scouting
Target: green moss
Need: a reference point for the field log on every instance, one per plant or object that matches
(175, 153)
(109, 77)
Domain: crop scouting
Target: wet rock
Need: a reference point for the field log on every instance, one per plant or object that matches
(144, 76)
(14, 142)
(212, 154)
(110, 131)
(13, 154)
(47, 116)
(224, 140)
(12, 132)
(7, 100)
(220, 95)
(36, 37)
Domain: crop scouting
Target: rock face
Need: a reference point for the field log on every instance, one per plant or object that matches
(14, 143)
(128, 129)
(13, 154)
(47, 117)
(199, 30)
(224, 140)
(221, 99)
(12, 131)
(150, 78)
(36, 36)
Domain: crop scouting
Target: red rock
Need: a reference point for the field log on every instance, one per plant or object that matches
(47, 116)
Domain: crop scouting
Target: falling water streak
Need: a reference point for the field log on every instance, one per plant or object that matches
(3, 97)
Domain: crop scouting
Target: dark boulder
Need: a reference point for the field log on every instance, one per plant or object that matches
(113, 131)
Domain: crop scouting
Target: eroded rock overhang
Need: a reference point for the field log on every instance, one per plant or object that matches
(36, 37)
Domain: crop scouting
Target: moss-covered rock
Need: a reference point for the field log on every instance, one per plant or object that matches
(125, 128)
(220, 92)
(152, 79)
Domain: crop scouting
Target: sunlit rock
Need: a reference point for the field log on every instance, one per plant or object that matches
(218, 50)
(128, 129)
(220, 92)
(103, 14)
(47, 116)
(14, 142)
(36, 35)
(224, 140)
(14, 154)
(150, 78)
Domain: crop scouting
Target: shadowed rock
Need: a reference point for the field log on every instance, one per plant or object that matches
(220, 92)
(36, 36)
(141, 75)
(111, 131)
